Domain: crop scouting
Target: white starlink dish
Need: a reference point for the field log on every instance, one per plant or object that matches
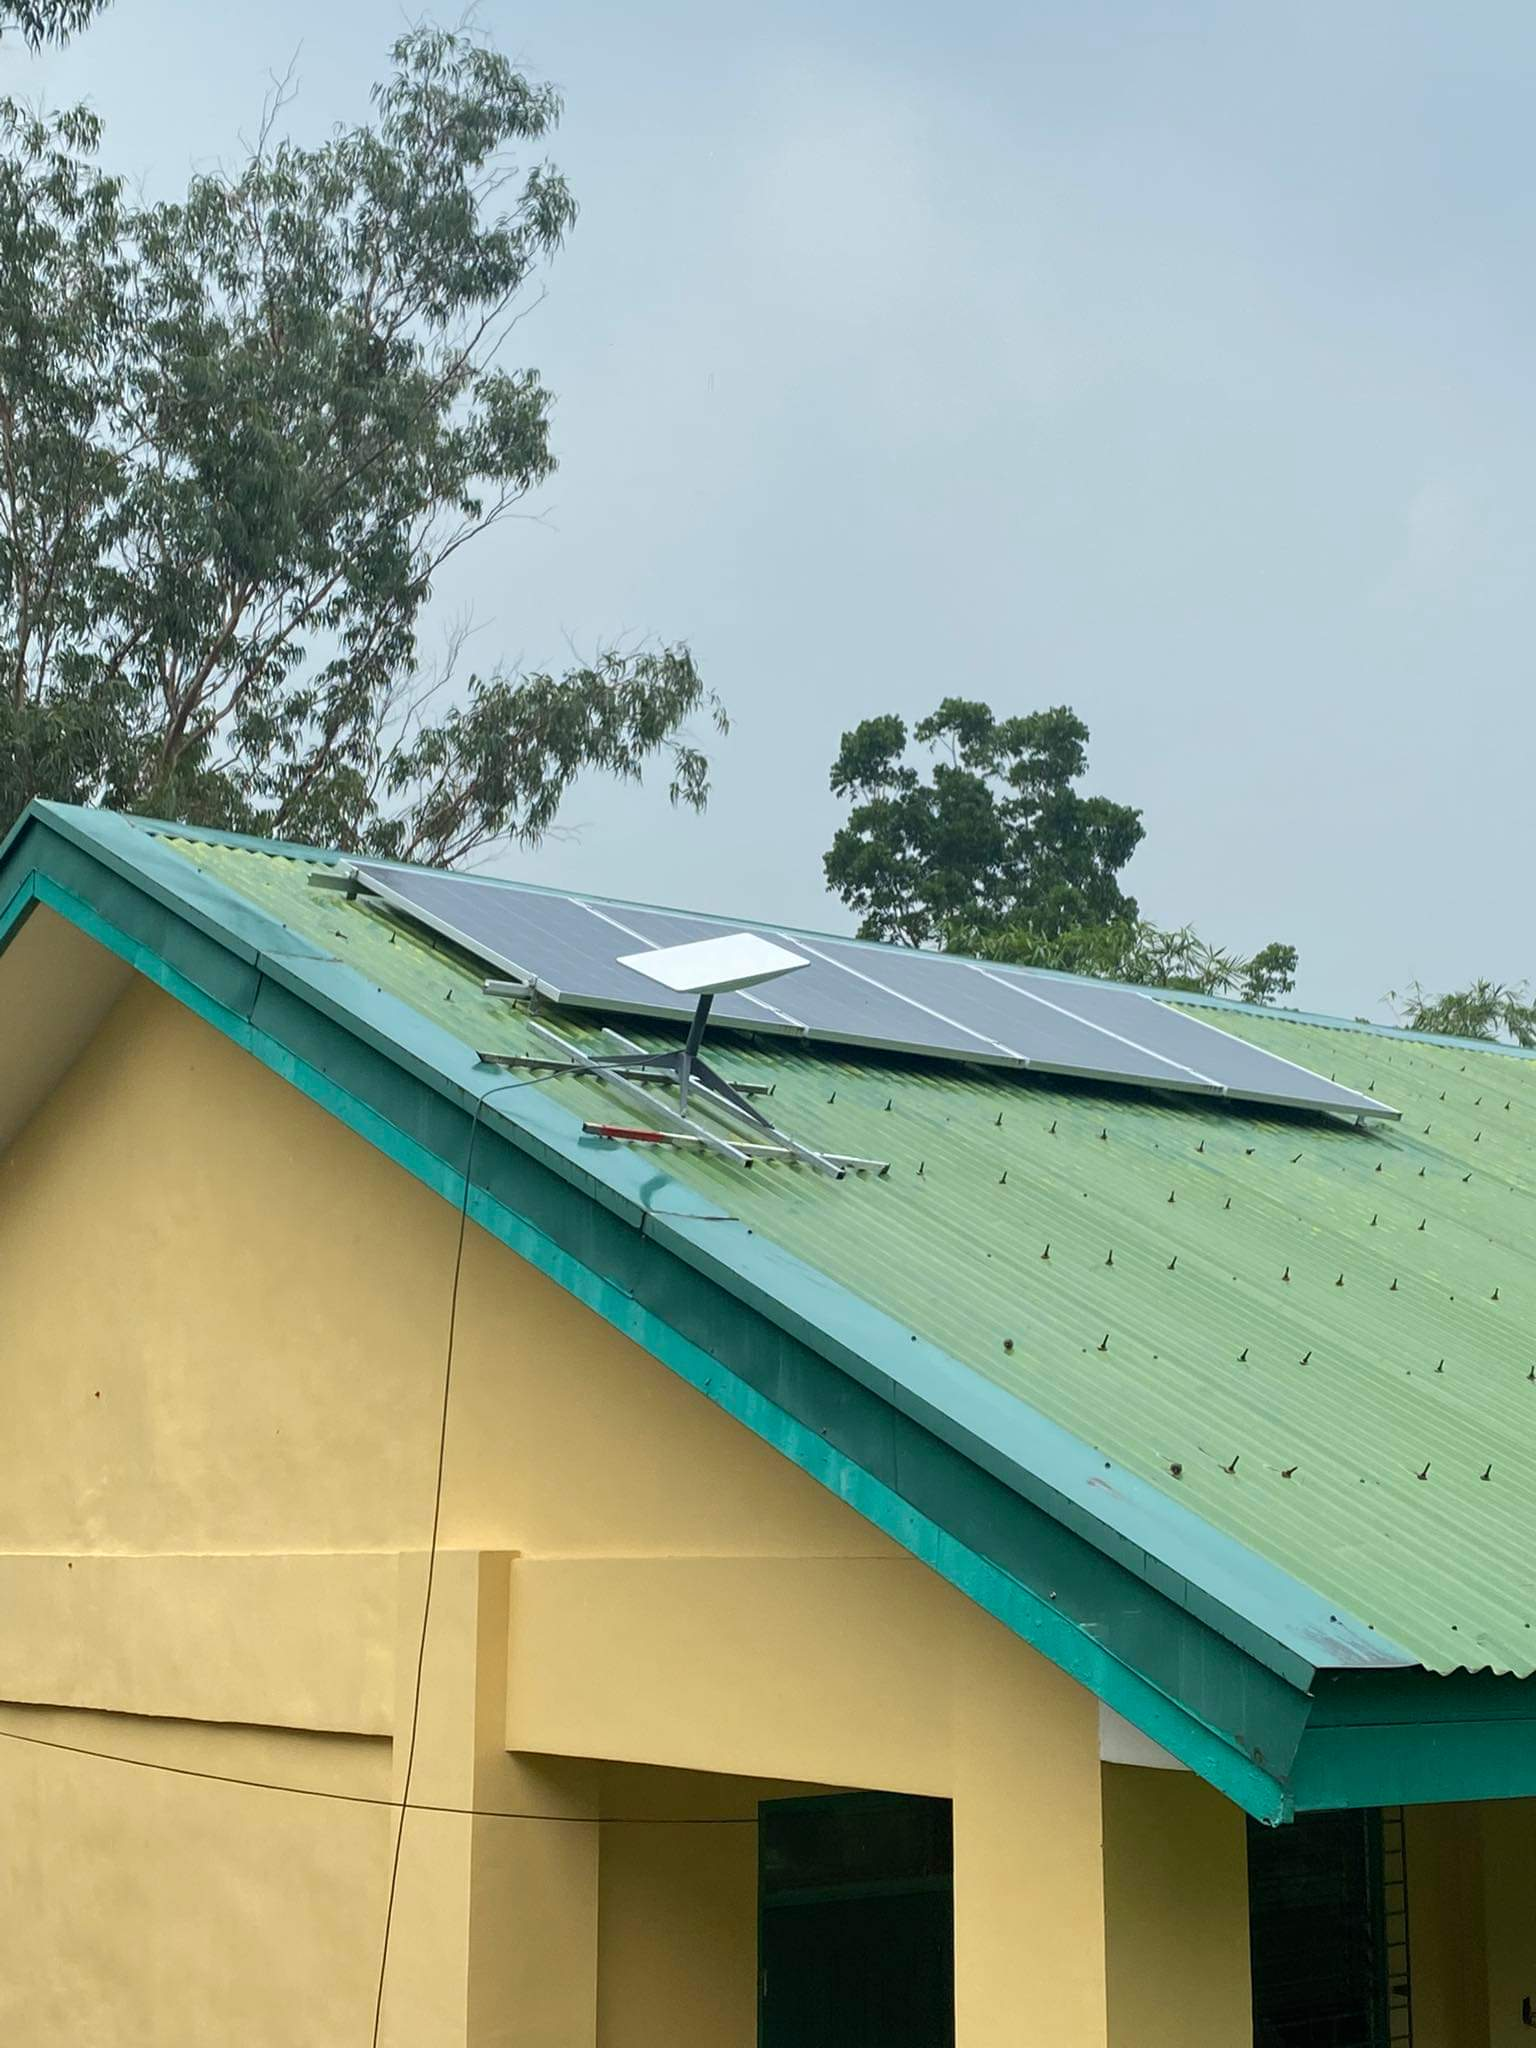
(715, 967)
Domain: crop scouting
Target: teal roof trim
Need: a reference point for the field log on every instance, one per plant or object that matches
(1214, 1666)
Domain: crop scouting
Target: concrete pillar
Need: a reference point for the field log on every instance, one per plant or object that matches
(1029, 1870)
(494, 1941)
(1175, 1912)
(1447, 1946)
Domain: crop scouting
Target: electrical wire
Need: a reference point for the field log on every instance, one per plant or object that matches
(144, 1763)
(506, 1087)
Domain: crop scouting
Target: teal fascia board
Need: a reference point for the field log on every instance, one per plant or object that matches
(1409, 1737)
(644, 1253)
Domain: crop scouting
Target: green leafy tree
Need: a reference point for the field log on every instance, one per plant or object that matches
(240, 436)
(1143, 953)
(995, 837)
(1486, 1009)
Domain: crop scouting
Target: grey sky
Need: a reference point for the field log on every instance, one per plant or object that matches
(1172, 361)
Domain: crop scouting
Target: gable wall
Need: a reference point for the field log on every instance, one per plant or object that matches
(223, 1334)
(224, 1328)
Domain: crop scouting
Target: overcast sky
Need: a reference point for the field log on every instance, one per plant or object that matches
(1170, 361)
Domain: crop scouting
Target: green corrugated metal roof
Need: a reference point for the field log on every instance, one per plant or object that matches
(1299, 1316)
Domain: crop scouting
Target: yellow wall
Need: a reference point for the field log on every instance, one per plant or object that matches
(1508, 1829)
(1176, 1894)
(146, 1907)
(1449, 1965)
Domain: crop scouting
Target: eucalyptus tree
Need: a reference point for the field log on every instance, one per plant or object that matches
(46, 21)
(242, 433)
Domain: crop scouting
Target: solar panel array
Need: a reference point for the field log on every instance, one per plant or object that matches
(888, 998)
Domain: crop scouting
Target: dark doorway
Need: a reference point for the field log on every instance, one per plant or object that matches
(856, 1943)
(1327, 1901)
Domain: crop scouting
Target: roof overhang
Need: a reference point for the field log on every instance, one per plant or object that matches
(1251, 1678)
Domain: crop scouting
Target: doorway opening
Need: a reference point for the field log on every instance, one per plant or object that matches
(856, 1942)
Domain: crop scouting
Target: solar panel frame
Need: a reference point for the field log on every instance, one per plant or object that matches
(929, 1005)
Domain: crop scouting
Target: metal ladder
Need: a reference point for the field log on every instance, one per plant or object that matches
(1394, 1927)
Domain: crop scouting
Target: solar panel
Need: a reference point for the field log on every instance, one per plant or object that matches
(1242, 1069)
(933, 1005)
(1041, 1032)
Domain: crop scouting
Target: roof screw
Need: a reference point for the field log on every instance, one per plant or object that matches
(1105, 1132)
(1426, 1130)
(1173, 1262)
(1177, 1471)
(999, 1123)
(1442, 1095)
(1340, 1281)
(1201, 1146)
(1111, 1259)
(1422, 1221)
(1373, 1221)
(1004, 1181)
(1105, 1345)
(920, 1165)
(1007, 1343)
(1425, 1473)
(888, 1101)
(1393, 1288)
(1286, 1274)
(1479, 1103)
(1495, 1295)
(1478, 1139)
(832, 1098)
(1441, 1366)
(1170, 1194)
(391, 938)
(1047, 1253)
(1242, 1356)
(1230, 1469)
(449, 997)
(1287, 1471)
(1531, 1375)
(1052, 1131)
(1297, 1160)
(1487, 1472)
(1247, 1151)
(1306, 1358)
(1464, 1178)
(1227, 1203)
(1378, 1166)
